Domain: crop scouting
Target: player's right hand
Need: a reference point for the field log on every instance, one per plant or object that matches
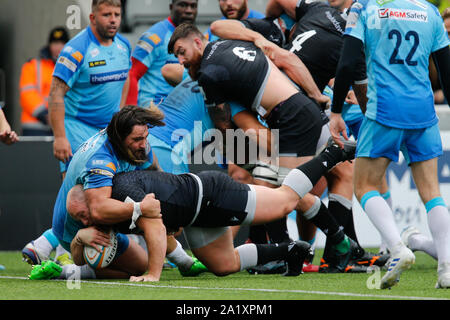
(62, 149)
(151, 207)
(93, 237)
(338, 128)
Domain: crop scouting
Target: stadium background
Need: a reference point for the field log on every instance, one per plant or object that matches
(29, 178)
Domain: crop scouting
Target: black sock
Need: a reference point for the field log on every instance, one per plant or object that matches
(344, 217)
(278, 231)
(271, 252)
(315, 168)
(325, 222)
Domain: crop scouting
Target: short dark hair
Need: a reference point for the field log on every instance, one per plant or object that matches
(114, 3)
(184, 30)
(122, 123)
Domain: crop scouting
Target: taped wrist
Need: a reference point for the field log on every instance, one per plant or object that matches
(137, 213)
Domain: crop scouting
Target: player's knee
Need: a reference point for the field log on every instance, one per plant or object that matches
(224, 268)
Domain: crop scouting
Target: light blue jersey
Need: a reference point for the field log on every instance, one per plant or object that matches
(252, 15)
(182, 108)
(399, 36)
(151, 50)
(95, 75)
(94, 166)
(187, 124)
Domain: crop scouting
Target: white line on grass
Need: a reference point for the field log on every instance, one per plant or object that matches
(327, 293)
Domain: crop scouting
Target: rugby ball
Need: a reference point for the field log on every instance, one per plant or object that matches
(99, 260)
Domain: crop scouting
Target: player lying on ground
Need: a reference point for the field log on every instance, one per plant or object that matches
(207, 203)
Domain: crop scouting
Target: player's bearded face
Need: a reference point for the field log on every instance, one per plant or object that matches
(233, 9)
(189, 55)
(136, 144)
(107, 21)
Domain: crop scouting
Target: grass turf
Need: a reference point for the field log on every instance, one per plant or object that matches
(417, 283)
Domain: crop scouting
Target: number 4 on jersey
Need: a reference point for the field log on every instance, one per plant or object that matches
(298, 41)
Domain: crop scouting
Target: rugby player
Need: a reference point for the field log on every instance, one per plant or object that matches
(238, 71)
(401, 116)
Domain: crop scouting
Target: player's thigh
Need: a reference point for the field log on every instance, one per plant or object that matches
(273, 204)
(214, 247)
(132, 258)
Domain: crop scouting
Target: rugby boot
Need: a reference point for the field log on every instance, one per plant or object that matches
(406, 233)
(324, 267)
(196, 269)
(401, 259)
(365, 258)
(272, 267)
(335, 262)
(443, 276)
(32, 255)
(346, 154)
(298, 252)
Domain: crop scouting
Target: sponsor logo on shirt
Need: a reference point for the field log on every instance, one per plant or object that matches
(145, 45)
(95, 52)
(155, 38)
(403, 14)
(112, 166)
(99, 63)
(334, 21)
(102, 172)
(77, 56)
(101, 78)
(67, 63)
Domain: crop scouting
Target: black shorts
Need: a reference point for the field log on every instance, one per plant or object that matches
(299, 122)
(224, 202)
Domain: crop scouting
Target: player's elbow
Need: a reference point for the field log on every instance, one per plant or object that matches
(216, 27)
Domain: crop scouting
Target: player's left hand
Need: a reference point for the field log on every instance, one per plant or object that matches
(144, 278)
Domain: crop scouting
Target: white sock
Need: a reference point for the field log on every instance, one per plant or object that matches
(44, 246)
(419, 242)
(439, 224)
(74, 272)
(380, 214)
(60, 251)
(180, 258)
(248, 254)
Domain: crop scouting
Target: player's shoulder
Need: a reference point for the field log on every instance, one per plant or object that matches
(255, 15)
(156, 34)
(79, 43)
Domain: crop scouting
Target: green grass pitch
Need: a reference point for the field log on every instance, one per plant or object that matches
(415, 284)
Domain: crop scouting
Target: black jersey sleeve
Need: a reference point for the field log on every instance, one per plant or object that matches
(350, 56)
(441, 59)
